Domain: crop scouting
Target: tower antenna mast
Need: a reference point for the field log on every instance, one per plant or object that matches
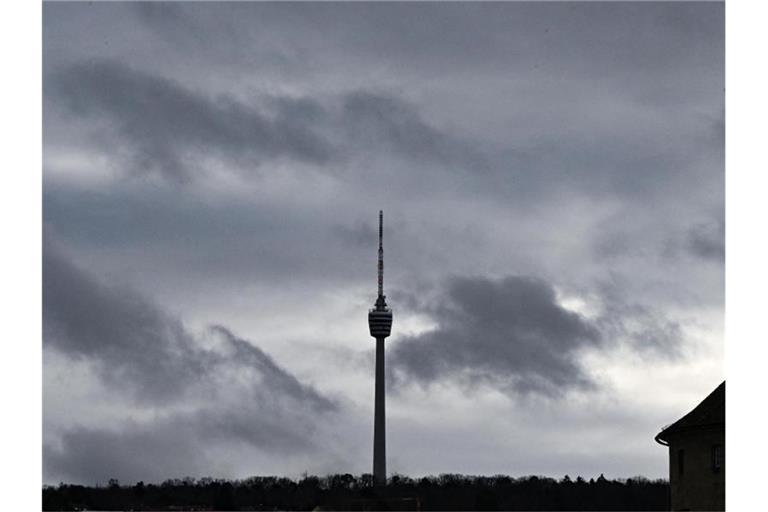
(381, 253)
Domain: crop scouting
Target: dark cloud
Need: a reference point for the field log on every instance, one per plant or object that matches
(513, 334)
(168, 126)
(510, 333)
(148, 357)
(139, 346)
(707, 241)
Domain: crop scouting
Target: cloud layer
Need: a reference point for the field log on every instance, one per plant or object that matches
(167, 128)
(211, 391)
(552, 181)
(511, 333)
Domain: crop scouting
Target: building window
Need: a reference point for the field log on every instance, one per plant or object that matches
(680, 461)
(717, 457)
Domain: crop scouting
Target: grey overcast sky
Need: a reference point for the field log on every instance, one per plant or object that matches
(552, 179)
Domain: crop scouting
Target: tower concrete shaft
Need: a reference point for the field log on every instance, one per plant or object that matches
(380, 325)
(379, 420)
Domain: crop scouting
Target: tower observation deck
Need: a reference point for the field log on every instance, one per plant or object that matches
(380, 325)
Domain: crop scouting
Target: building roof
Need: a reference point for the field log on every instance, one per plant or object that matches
(709, 413)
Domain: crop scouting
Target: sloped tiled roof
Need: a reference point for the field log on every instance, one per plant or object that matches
(710, 412)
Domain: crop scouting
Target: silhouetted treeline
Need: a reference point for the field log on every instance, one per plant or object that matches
(347, 492)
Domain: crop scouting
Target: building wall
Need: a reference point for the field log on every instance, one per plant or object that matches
(699, 486)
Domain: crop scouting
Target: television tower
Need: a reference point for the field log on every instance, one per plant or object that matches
(380, 324)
